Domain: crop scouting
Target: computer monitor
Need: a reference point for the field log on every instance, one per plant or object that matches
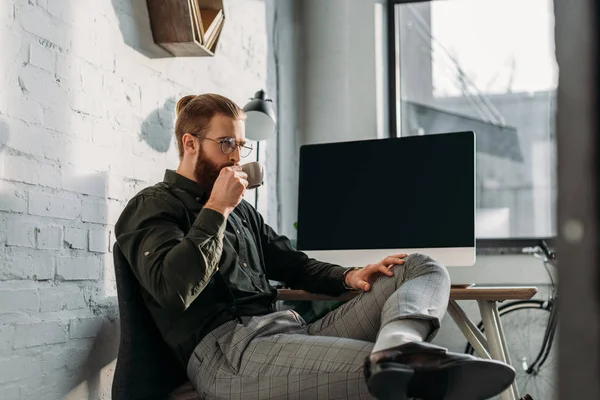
(361, 201)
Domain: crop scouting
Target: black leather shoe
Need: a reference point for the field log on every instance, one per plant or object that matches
(430, 372)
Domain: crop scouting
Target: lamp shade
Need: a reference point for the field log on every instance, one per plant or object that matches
(261, 121)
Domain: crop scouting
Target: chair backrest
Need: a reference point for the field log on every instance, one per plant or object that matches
(146, 367)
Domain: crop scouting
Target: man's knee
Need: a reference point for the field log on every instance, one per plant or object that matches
(417, 264)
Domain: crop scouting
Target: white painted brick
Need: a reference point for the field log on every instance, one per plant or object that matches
(85, 327)
(49, 45)
(151, 101)
(56, 145)
(83, 181)
(38, 141)
(169, 103)
(18, 300)
(50, 176)
(41, 57)
(80, 125)
(49, 237)
(120, 188)
(104, 133)
(54, 206)
(125, 119)
(26, 109)
(146, 170)
(136, 71)
(87, 156)
(113, 87)
(14, 48)
(19, 367)
(7, 337)
(82, 21)
(94, 211)
(91, 79)
(23, 263)
(12, 199)
(98, 240)
(11, 393)
(62, 297)
(7, 14)
(101, 212)
(112, 240)
(91, 100)
(40, 333)
(3, 230)
(67, 122)
(21, 169)
(59, 8)
(38, 22)
(30, 139)
(142, 149)
(39, 387)
(43, 86)
(53, 118)
(67, 68)
(78, 355)
(99, 57)
(133, 95)
(120, 165)
(43, 125)
(4, 132)
(80, 268)
(75, 353)
(20, 233)
(76, 238)
(109, 280)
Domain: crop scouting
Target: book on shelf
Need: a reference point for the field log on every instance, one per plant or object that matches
(206, 23)
(196, 21)
(186, 28)
(215, 37)
(212, 21)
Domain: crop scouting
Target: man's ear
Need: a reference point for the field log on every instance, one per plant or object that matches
(189, 142)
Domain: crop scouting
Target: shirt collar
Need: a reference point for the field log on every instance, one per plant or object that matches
(178, 181)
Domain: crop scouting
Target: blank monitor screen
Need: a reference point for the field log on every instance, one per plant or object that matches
(415, 192)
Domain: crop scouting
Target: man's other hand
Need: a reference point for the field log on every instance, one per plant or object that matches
(363, 278)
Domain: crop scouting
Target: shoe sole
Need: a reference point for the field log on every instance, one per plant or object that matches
(462, 380)
(458, 380)
(384, 373)
(478, 380)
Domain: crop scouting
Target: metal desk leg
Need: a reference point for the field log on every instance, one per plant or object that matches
(469, 330)
(496, 341)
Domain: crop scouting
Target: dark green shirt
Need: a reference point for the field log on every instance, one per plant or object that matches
(198, 270)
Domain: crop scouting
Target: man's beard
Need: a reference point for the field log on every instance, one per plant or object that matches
(207, 172)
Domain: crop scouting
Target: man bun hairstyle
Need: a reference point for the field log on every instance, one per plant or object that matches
(194, 114)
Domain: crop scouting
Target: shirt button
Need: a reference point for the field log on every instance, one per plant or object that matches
(147, 253)
(238, 231)
(245, 265)
(197, 198)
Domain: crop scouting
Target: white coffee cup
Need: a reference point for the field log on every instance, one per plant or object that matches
(255, 174)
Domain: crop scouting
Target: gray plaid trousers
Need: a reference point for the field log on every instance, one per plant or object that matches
(279, 356)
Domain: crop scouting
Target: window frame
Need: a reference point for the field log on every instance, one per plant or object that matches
(484, 246)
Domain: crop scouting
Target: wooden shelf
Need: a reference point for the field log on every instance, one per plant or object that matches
(181, 26)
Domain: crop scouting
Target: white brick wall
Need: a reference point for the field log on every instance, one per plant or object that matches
(79, 92)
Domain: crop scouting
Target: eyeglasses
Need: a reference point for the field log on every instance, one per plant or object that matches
(229, 144)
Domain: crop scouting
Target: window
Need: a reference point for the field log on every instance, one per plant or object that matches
(486, 66)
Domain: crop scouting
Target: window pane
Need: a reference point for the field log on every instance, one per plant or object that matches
(488, 66)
